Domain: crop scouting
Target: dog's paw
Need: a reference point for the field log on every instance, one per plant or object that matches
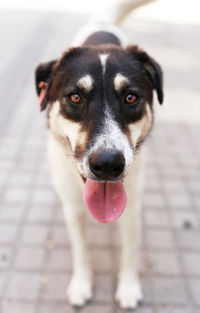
(79, 290)
(129, 294)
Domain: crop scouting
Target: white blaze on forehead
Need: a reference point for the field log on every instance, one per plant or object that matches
(103, 59)
(86, 82)
(120, 81)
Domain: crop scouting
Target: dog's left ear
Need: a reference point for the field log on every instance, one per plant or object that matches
(43, 76)
(152, 68)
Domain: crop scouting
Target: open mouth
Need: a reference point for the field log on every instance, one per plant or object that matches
(106, 201)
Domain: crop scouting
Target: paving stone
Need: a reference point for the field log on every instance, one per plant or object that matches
(26, 166)
(173, 185)
(21, 179)
(44, 181)
(116, 258)
(181, 200)
(192, 163)
(16, 195)
(40, 213)
(59, 216)
(35, 234)
(169, 164)
(59, 260)
(171, 308)
(151, 184)
(171, 171)
(60, 236)
(33, 144)
(115, 237)
(180, 219)
(195, 287)
(148, 297)
(103, 289)
(140, 309)
(10, 307)
(44, 197)
(160, 239)
(197, 200)
(100, 236)
(12, 212)
(8, 232)
(151, 170)
(29, 258)
(194, 184)
(24, 286)
(187, 239)
(58, 308)
(164, 263)
(7, 151)
(55, 288)
(154, 200)
(156, 218)
(2, 282)
(96, 308)
(102, 260)
(191, 263)
(10, 141)
(169, 290)
(5, 257)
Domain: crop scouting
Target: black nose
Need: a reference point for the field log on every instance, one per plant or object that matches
(106, 165)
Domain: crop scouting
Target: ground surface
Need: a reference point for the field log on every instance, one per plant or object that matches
(35, 262)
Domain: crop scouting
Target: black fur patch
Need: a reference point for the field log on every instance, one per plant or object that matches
(102, 38)
(43, 74)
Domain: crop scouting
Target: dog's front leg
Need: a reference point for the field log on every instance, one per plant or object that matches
(129, 291)
(68, 184)
(80, 288)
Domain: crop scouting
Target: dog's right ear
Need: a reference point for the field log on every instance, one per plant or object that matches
(152, 69)
(43, 76)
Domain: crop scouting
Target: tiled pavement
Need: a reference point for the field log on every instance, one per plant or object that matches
(35, 262)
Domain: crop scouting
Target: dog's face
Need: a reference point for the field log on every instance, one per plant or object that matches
(100, 102)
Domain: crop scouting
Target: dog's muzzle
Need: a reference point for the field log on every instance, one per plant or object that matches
(107, 164)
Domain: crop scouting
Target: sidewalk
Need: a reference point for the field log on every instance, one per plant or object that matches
(35, 261)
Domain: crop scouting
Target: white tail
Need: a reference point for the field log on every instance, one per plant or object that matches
(107, 17)
(115, 11)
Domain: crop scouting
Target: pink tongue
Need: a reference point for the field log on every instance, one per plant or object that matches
(106, 201)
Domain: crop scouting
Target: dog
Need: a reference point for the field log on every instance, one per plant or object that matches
(99, 101)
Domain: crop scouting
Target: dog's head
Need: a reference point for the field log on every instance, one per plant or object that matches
(100, 102)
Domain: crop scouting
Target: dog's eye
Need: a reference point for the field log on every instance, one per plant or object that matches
(75, 98)
(130, 98)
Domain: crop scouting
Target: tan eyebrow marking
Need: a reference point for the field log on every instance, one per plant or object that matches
(86, 82)
(120, 81)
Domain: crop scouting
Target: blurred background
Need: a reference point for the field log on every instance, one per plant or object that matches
(35, 260)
